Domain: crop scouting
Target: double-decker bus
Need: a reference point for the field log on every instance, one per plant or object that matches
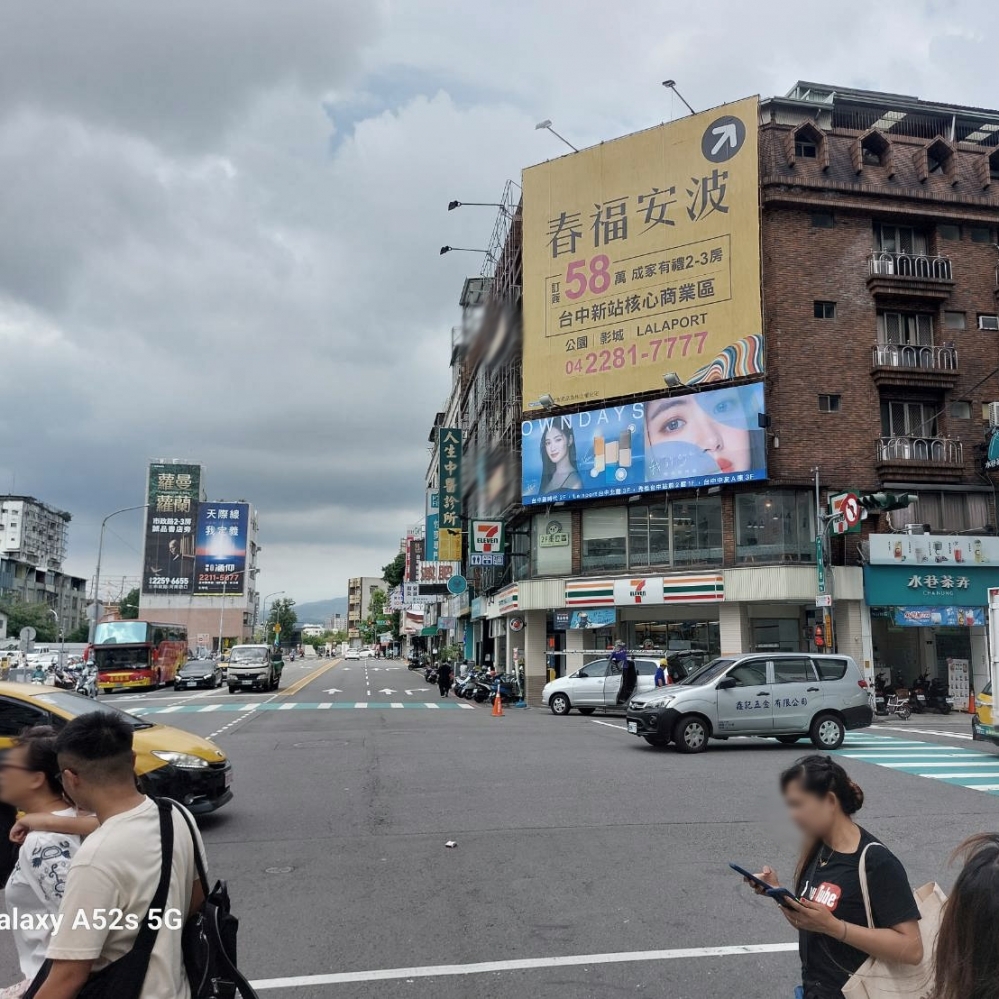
(133, 654)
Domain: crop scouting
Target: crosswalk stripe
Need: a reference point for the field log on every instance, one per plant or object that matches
(960, 767)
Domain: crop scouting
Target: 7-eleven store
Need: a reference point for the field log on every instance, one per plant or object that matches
(550, 624)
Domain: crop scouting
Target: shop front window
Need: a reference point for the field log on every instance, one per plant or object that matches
(697, 531)
(682, 532)
(605, 539)
(776, 635)
(648, 535)
(775, 526)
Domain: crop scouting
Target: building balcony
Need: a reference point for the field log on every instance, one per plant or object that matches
(914, 365)
(922, 459)
(909, 275)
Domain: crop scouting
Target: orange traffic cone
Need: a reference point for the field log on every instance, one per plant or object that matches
(497, 706)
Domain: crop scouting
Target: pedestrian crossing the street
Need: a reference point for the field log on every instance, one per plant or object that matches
(246, 708)
(970, 768)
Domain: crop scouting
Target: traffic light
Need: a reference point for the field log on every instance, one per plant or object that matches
(883, 502)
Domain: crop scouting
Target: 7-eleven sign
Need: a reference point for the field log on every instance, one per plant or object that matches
(487, 536)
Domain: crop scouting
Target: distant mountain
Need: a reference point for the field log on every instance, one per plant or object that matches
(320, 611)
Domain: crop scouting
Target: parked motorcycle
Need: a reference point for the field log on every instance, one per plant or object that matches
(917, 697)
(938, 697)
(880, 695)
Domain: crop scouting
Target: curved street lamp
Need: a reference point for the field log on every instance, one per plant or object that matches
(97, 575)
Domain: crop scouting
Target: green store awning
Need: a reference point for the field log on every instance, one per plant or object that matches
(429, 632)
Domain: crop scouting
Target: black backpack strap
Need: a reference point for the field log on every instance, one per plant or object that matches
(199, 862)
(146, 938)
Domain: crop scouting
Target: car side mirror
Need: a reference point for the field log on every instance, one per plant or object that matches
(727, 683)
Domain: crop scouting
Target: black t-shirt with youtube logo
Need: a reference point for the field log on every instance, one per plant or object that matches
(833, 879)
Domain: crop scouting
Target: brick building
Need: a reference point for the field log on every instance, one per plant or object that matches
(878, 217)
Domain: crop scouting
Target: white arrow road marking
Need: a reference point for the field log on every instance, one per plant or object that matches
(411, 692)
(333, 690)
(386, 690)
(726, 133)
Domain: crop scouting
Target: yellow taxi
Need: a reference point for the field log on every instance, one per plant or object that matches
(982, 727)
(169, 762)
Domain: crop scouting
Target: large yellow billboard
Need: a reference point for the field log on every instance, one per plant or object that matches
(642, 261)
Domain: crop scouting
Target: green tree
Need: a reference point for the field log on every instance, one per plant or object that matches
(282, 612)
(371, 629)
(128, 606)
(394, 572)
(38, 616)
(80, 633)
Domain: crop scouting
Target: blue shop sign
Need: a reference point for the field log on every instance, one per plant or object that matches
(926, 586)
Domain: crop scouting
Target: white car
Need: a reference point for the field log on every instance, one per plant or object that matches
(367, 654)
(352, 654)
(597, 684)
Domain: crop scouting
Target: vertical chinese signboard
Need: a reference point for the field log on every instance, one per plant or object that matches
(172, 493)
(642, 257)
(449, 449)
(220, 555)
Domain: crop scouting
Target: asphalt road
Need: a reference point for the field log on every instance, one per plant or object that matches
(587, 864)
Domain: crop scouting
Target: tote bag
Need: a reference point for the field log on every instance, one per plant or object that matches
(878, 979)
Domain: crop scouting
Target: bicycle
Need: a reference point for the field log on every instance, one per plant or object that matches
(898, 707)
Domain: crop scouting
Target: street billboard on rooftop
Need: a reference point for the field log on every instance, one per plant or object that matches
(642, 257)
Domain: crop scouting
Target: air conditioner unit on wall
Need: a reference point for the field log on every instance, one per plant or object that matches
(994, 415)
(988, 322)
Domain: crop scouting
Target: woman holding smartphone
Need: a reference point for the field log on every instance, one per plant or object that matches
(830, 915)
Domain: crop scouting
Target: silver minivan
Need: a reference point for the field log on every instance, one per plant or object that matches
(781, 695)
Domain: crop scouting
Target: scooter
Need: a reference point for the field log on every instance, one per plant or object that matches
(87, 682)
(938, 697)
(917, 699)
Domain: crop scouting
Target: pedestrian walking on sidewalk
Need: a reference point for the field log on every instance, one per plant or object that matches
(967, 960)
(830, 915)
(444, 679)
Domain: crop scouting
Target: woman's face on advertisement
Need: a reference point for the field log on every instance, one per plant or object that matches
(556, 445)
(716, 427)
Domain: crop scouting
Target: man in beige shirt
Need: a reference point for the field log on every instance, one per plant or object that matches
(113, 878)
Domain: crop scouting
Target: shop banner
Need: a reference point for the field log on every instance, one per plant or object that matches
(487, 535)
(432, 523)
(223, 536)
(677, 442)
(931, 617)
(449, 457)
(642, 256)
(934, 550)
(172, 495)
(584, 620)
(434, 576)
(924, 586)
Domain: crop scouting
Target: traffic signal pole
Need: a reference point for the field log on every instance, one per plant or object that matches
(823, 522)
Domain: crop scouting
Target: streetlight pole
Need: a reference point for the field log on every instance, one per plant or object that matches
(225, 583)
(97, 576)
(276, 593)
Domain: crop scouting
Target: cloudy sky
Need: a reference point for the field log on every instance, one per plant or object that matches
(220, 222)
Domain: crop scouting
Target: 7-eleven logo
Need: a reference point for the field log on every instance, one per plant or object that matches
(488, 536)
(637, 590)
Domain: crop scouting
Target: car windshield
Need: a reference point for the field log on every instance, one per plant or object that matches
(110, 658)
(707, 673)
(75, 705)
(248, 656)
(197, 666)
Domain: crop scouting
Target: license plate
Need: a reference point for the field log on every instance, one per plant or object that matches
(247, 683)
(633, 727)
(228, 778)
(192, 683)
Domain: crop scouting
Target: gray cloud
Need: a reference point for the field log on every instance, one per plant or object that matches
(220, 225)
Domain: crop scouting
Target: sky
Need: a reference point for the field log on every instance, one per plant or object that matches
(220, 223)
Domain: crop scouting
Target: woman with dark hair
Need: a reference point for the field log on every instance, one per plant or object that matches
(967, 958)
(29, 781)
(559, 471)
(830, 915)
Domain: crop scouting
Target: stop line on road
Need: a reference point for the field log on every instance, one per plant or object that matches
(192, 709)
(970, 768)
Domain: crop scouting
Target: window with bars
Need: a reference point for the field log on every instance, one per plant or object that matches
(908, 419)
(912, 328)
(899, 239)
